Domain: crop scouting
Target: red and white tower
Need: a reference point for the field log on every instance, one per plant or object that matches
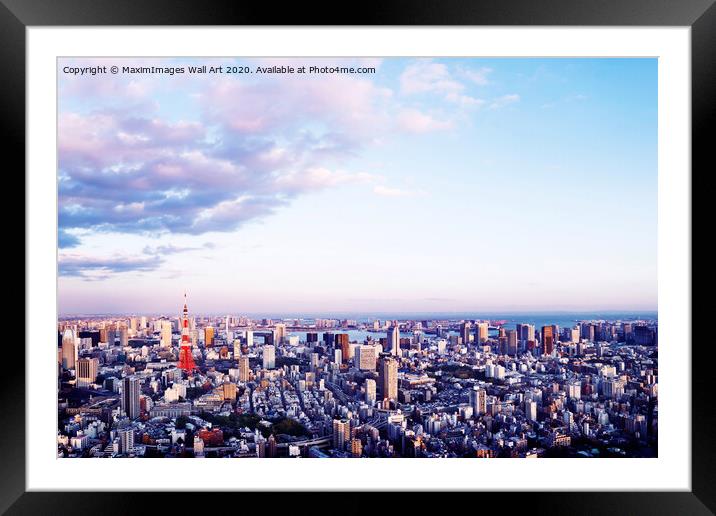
(186, 360)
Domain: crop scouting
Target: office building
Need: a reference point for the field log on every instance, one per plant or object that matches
(269, 356)
(130, 397)
(389, 378)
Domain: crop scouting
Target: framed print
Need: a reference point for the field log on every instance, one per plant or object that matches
(422, 244)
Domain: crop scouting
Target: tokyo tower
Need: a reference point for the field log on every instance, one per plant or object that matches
(186, 361)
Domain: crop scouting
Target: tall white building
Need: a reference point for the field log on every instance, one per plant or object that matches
(370, 394)
(69, 349)
(394, 339)
(269, 356)
(531, 410)
(166, 334)
(478, 401)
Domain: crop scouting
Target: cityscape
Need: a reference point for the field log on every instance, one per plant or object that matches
(357, 257)
(232, 386)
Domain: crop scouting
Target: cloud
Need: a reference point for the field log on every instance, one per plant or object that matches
(428, 76)
(478, 76)
(253, 147)
(415, 121)
(504, 100)
(465, 101)
(66, 240)
(169, 249)
(396, 192)
(91, 268)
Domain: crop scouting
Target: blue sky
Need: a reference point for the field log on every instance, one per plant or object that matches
(431, 185)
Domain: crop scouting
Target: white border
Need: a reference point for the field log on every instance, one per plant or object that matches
(671, 471)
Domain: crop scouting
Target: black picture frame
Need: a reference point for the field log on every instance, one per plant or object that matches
(700, 15)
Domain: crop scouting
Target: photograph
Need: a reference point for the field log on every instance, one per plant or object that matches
(357, 257)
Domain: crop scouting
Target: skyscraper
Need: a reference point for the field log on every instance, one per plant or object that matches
(244, 369)
(394, 339)
(69, 349)
(87, 369)
(525, 332)
(341, 433)
(343, 343)
(269, 356)
(511, 342)
(130, 396)
(547, 339)
(370, 396)
(165, 339)
(465, 328)
(482, 332)
(389, 377)
(531, 410)
(209, 336)
(279, 333)
(123, 336)
(365, 358)
(478, 401)
(126, 440)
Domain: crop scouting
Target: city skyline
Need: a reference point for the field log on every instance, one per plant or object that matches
(431, 185)
(237, 387)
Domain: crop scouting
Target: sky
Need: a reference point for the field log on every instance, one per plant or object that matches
(431, 185)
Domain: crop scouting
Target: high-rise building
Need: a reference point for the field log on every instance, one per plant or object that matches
(130, 396)
(356, 448)
(511, 342)
(123, 336)
(525, 332)
(531, 410)
(315, 362)
(271, 447)
(209, 336)
(547, 339)
(394, 339)
(478, 401)
(341, 433)
(69, 349)
(370, 395)
(365, 358)
(244, 370)
(279, 333)
(465, 328)
(126, 440)
(165, 335)
(111, 336)
(87, 369)
(389, 378)
(269, 356)
(482, 332)
(343, 343)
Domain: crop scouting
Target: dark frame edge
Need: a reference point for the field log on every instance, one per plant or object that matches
(702, 499)
(703, 113)
(12, 136)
